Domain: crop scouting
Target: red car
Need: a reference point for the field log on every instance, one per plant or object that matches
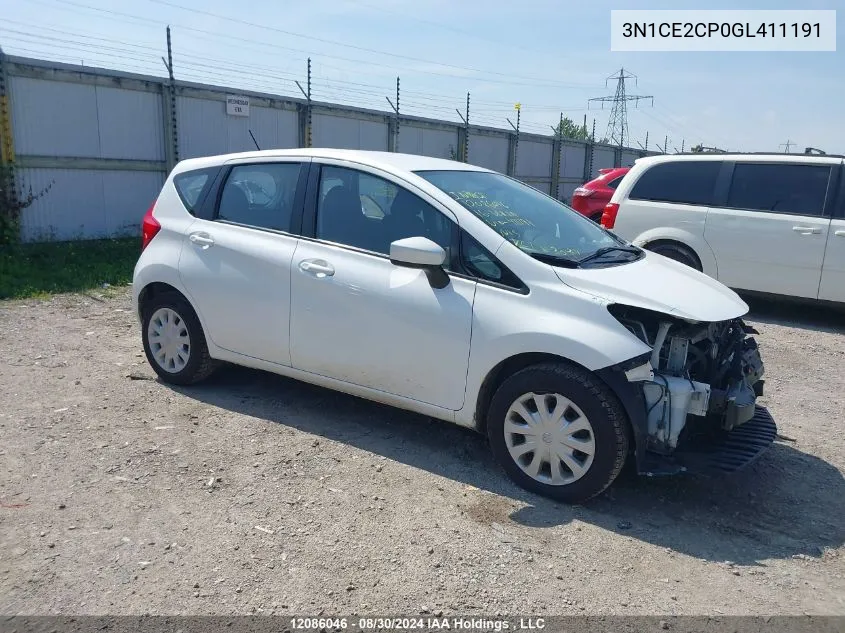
(590, 198)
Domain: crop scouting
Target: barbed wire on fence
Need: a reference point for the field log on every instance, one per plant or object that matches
(191, 65)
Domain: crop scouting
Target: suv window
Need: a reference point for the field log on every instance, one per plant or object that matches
(682, 182)
(779, 188)
(260, 195)
(190, 185)
(365, 211)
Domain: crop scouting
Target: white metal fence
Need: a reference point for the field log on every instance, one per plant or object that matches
(107, 139)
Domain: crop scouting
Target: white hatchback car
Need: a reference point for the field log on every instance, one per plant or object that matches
(767, 223)
(456, 292)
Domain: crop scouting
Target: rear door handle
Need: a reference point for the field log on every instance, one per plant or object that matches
(839, 233)
(318, 267)
(201, 239)
(807, 230)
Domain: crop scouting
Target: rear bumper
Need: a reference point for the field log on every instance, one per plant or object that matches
(712, 452)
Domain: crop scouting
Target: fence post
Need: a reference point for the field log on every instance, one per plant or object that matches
(466, 133)
(171, 124)
(589, 151)
(393, 123)
(557, 149)
(305, 111)
(513, 142)
(167, 128)
(7, 145)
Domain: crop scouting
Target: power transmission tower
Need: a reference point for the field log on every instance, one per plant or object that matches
(786, 145)
(617, 125)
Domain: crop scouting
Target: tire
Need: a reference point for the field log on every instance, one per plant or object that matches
(678, 253)
(172, 315)
(577, 394)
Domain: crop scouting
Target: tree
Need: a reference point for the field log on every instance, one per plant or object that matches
(567, 128)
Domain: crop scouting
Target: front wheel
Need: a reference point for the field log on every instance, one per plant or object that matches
(558, 431)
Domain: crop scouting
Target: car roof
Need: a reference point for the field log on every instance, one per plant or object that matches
(742, 157)
(389, 161)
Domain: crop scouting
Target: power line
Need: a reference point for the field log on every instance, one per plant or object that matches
(466, 33)
(533, 82)
(345, 45)
(219, 75)
(185, 59)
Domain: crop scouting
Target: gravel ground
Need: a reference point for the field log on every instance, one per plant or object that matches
(257, 494)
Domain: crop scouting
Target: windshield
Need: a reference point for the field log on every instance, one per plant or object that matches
(536, 223)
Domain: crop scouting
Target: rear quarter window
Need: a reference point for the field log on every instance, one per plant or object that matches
(193, 185)
(681, 182)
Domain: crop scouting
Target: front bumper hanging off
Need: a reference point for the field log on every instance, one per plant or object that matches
(727, 451)
(707, 448)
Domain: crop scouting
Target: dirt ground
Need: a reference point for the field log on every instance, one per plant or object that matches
(257, 494)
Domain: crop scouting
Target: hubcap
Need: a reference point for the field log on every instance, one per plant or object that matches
(549, 438)
(169, 341)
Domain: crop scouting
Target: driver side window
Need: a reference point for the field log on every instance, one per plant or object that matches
(358, 209)
(260, 195)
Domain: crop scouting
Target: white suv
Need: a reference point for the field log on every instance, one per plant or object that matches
(458, 293)
(771, 223)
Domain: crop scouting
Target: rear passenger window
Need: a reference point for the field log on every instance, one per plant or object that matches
(779, 188)
(681, 182)
(260, 195)
(190, 185)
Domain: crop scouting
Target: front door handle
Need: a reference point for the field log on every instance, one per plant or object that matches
(201, 239)
(839, 233)
(807, 230)
(318, 267)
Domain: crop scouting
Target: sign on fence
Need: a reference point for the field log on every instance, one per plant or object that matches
(237, 106)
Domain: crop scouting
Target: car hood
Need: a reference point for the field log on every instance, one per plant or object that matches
(661, 284)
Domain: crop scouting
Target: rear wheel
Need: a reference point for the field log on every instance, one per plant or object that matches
(174, 342)
(677, 252)
(558, 431)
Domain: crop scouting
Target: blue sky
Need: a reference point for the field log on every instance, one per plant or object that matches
(548, 56)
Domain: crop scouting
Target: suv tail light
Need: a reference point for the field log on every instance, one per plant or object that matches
(608, 216)
(583, 192)
(149, 227)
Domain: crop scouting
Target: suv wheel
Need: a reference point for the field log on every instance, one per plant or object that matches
(174, 341)
(558, 431)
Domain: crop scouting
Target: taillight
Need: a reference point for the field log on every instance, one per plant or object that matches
(582, 192)
(608, 216)
(149, 227)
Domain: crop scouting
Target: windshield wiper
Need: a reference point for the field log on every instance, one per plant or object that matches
(556, 260)
(609, 249)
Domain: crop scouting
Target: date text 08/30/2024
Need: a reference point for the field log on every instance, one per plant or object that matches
(417, 624)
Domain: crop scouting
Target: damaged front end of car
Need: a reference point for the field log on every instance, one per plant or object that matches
(693, 400)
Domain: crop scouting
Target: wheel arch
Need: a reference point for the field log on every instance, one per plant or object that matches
(154, 289)
(696, 244)
(508, 367)
(158, 287)
(671, 242)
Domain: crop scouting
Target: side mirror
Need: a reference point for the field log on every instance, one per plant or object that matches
(422, 253)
